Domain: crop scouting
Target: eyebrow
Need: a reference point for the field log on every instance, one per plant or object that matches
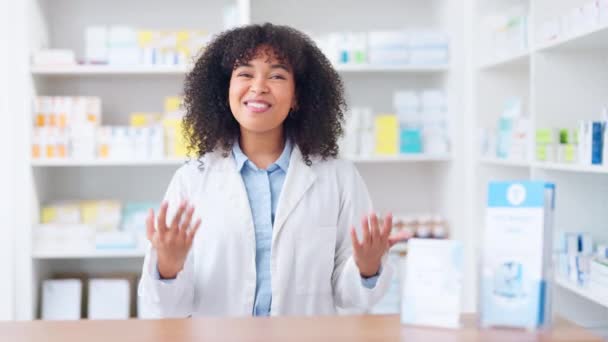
(274, 66)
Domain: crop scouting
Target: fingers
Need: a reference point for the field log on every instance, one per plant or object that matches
(161, 222)
(367, 239)
(375, 230)
(388, 226)
(355, 240)
(399, 237)
(150, 225)
(185, 224)
(192, 232)
(178, 216)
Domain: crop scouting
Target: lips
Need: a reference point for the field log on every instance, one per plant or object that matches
(257, 106)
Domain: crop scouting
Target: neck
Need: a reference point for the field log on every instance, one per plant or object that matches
(262, 149)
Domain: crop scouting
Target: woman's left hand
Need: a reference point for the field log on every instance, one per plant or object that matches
(375, 243)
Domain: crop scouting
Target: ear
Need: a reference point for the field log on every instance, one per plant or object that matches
(294, 103)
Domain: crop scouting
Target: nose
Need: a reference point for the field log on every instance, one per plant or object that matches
(259, 86)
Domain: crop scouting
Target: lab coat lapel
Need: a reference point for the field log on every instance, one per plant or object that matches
(299, 179)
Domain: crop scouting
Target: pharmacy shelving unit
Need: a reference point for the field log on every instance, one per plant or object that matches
(563, 81)
(103, 70)
(416, 184)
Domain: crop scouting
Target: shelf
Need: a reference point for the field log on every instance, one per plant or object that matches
(504, 162)
(399, 159)
(391, 68)
(571, 167)
(584, 292)
(516, 61)
(177, 162)
(96, 254)
(85, 163)
(100, 70)
(590, 39)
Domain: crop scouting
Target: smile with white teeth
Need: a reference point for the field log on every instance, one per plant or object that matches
(257, 105)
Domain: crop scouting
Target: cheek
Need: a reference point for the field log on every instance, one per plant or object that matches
(287, 97)
(235, 92)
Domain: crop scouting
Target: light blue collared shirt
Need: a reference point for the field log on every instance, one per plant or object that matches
(263, 191)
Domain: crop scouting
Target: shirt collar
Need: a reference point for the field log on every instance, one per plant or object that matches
(283, 162)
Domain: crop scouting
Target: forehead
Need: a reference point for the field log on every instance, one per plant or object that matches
(262, 54)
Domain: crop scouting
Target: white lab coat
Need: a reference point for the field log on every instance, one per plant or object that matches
(312, 268)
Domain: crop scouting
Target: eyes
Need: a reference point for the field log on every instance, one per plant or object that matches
(248, 75)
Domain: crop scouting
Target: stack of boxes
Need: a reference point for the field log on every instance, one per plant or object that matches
(582, 263)
(398, 47)
(591, 14)
(69, 128)
(86, 226)
(123, 45)
(585, 145)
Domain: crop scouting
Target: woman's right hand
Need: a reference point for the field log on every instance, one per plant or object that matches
(173, 242)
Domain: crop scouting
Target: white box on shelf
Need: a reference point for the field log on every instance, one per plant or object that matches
(54, 57)
(115, 240)
(591, 14)
(603, 9)
(122, 46)
(96, 45)
(61, 299)
(109, 299)
(63, 239)
(550, 30)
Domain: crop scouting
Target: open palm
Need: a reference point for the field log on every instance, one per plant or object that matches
(375, 242)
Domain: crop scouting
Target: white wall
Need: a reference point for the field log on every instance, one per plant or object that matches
(7, 232)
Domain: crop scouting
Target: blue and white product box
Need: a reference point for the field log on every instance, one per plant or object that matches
(432, 291)
(516, 265)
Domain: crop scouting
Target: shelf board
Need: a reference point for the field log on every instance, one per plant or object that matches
(346, 68)
(96, 254)
(584, 292)
(414, 158)
(101, 162)
(177, 162)
(571, 167)
(504, 162)
(591, 39)
(100, 70)
(515, 61)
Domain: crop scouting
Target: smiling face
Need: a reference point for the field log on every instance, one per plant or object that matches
(261, 93)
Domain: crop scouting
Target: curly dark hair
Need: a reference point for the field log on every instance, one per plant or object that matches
(314, 126)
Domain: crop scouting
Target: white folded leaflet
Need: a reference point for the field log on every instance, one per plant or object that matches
(433, 283)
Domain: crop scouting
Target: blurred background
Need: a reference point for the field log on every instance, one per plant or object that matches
(444, 97)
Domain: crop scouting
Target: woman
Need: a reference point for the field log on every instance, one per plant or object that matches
(276, 208)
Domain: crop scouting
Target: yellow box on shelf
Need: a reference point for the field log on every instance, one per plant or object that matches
(103, 215)
(60, 213)
(141, 119)
(175, 140)
(173, 105)
(387, 134)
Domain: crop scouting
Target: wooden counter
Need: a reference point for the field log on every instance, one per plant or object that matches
(346, 328)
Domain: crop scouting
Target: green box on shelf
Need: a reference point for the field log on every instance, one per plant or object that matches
(544, 136)
(563, 136)
(543, 152)
(570, 153)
